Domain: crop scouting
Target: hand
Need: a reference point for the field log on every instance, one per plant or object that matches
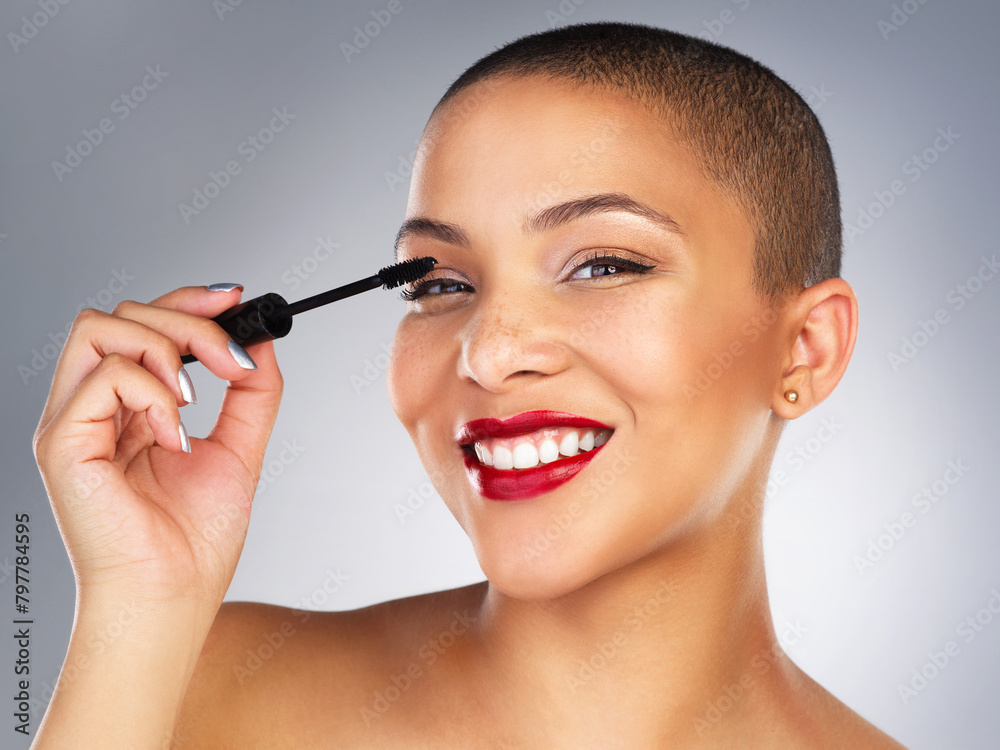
(138, 514)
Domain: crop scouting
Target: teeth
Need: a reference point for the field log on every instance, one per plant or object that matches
(502, 458)
(525, 456)
(548, 451)
(570, 444)
(540, 447)
(483, 454)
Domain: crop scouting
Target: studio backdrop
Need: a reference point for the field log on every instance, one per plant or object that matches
(147, 146)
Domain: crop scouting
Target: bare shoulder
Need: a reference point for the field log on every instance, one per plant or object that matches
(271, 676)
(824, 721)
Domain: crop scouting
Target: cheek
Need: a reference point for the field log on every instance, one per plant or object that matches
(692, 375)
(731, 361)
(638, 343)
(420, 381)
(413, 374)
(420, 378)
(681, 346)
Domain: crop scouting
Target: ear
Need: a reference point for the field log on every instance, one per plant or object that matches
(823, 329)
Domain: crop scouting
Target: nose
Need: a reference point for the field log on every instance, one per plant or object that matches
(511, 341)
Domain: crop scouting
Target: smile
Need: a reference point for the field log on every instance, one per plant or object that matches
(544, 446)
(529, 454)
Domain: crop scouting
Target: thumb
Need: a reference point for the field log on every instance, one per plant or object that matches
(250, 407)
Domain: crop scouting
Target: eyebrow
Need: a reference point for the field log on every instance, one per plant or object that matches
(450, 234)
(544, 220)
(563, 213)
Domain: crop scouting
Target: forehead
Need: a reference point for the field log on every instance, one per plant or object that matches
(507, 148)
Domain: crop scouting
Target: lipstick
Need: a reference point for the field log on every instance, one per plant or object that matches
(523, 484)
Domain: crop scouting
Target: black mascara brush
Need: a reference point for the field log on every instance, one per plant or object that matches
(270, 317)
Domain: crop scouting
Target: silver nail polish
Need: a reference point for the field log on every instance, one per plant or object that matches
(187, 387)
(243, 359)
(222, 287)
(185, 441)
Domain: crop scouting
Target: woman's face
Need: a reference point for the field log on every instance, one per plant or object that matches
(667, 345)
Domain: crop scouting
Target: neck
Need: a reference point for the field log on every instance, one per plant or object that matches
(655, 644)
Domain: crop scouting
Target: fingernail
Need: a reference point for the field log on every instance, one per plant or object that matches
(187, 387)
(185, 441)
(223, 287)
(243, 359)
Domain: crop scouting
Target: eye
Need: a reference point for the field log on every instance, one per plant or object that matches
(434, 287)
(599, 266)
(603, 264)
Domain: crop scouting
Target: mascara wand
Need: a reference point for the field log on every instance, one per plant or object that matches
(269, 316)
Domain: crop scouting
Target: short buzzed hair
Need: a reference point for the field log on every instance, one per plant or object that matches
(753, 134)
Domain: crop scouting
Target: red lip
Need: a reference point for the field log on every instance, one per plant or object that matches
(529, 421)
(522, 484)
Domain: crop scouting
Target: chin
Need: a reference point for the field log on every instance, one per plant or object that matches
(522, 571)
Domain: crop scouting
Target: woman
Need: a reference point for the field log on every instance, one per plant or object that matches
(638, 238)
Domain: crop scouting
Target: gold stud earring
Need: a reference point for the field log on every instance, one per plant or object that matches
(792, 396)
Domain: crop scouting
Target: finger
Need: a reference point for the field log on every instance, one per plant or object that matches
(204, 301)
(84, 428)
(80, 356)
(193, 334)
(95, 335)
(133, 438)
(250, 405)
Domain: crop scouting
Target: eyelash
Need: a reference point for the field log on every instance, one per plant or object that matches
(599, 259)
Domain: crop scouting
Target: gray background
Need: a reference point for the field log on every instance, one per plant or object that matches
(329, 174)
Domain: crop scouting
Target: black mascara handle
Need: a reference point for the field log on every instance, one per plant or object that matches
(251, 322)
